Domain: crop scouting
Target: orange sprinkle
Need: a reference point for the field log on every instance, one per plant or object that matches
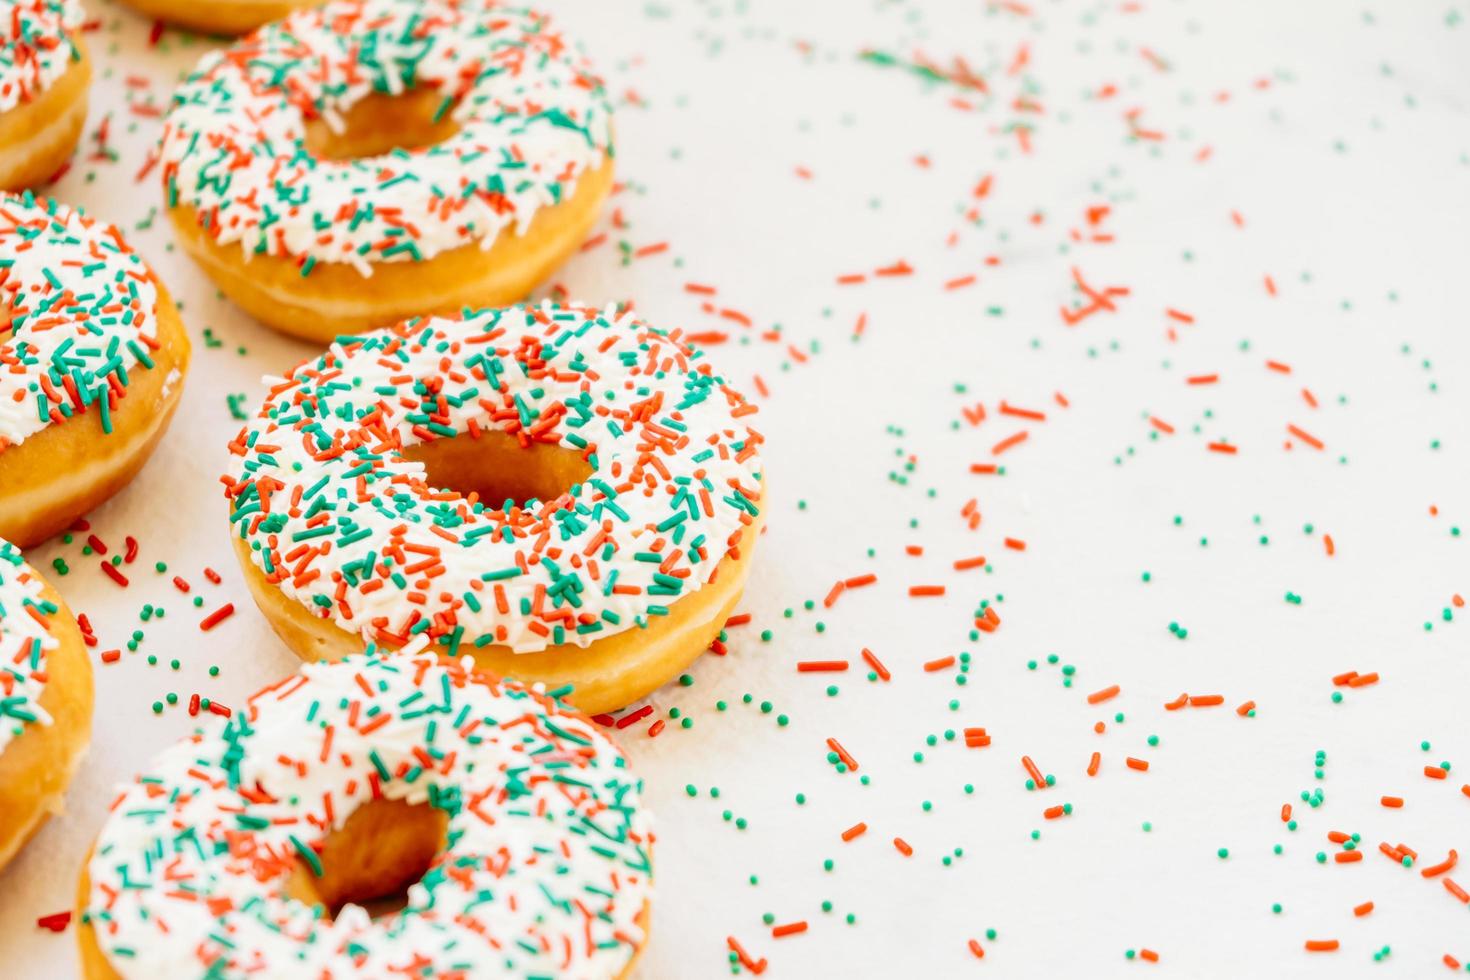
(965, 564)
(1392, 802)
(903, 847)
(1107, 693)
(1435, 772)
(876, 664)
(820, 666)
(1347, 857)
(1223, 447)
(1140, 764)
(976, 948)
(1202, 379)
(789, 929)
(842, 754)
(1015, 544)
(1093, 763)
(1008, 442)
(754, 966)
(1246, 708)
(1363, 680)
(1362, 910)
(1456, 890)
(939, 664)
(1305, 436)
(1148, 954)
(1206, 700)
(1052, 812)
(1321, 945)
(926, 590)
(856, 830)
(1327, 543)
(1446, 865)
(1285, 812)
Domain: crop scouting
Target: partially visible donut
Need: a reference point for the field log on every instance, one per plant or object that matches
(370, 160)
(92, 363)
(217, 16)
(44, 72)
(512, 828)
(45, 700)
(571, 496)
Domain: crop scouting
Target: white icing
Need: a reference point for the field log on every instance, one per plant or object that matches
(531, 119)
(685, 480)
(81, 309)
(545, 874)
(24, 642)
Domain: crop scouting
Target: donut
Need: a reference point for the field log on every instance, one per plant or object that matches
(367, 161)
(217, 16)
(570, 496)
(508, 831)
(91, 365)
(44, 73)
(45, 700)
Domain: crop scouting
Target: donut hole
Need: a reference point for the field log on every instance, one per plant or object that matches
(495, 469)
(378, 124)
(383, 848)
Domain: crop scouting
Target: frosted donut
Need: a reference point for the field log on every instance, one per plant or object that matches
(283, 180)
(44, 73)
(91, 365)
(570, 496)
(217, 16)
(45, 701)
(254, 848)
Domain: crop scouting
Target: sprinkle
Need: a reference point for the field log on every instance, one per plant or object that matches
(218, 616)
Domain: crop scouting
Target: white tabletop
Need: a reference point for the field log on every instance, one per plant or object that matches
(1323, 147)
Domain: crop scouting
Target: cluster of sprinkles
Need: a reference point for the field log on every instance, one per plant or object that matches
(341, 520)
(25, 636)
(81, 308)
(545, 868)
(37, 46)
(531, 118)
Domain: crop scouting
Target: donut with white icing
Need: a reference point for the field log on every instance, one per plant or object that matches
(44, 72)
(570, 495)
(366, 161)
(45, 700)
(510, 831)
(92, 362)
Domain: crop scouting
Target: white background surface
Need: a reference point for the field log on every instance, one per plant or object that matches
(1349, 169)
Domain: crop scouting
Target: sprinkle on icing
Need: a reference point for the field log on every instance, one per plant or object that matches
(36, 48)
(340, 521)
(546, 869)
(25, 637)
(82, 309)
(531, 118)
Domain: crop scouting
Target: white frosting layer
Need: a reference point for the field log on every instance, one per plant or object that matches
(81, 306)
(35, 46)
(531, 118)
(349, 528)
(25, 637)
(545, 873)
